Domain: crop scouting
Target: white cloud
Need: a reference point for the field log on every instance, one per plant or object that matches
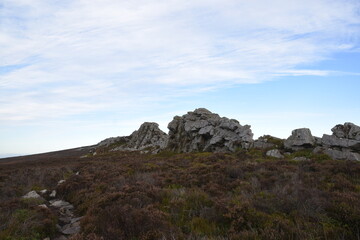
(82, 56)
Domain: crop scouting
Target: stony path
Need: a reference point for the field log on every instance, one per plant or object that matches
(68, 223)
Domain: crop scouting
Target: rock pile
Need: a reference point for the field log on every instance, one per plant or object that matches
(344, 143)
(203, 130)
(68, 223)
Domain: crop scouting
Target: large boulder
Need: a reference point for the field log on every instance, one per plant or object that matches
(300, 139)
(347, 130)
(203, 130)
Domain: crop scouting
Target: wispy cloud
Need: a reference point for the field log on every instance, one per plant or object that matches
(68, 57)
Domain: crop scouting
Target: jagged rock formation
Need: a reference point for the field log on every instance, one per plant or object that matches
(148, 137)
(344, 143)
(203, 130)
(300, 139)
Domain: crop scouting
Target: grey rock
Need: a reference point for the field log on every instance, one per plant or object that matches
(333, 141)
(274, 153)
(42, 206)
(301, 159)
(149, 135)
(148, 138)
(202, 130)
(70, 229)
(32, 194)
(61, 204)
(300, 139)
(344, 154)
(61, 182)
(44, 191)
(53, 194)
(347, 130)
(265, 142)
(113, 141)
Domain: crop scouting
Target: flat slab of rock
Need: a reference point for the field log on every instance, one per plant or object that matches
(333, 141)
(61, 204)
(71, 229)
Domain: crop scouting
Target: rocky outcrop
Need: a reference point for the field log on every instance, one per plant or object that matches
(203, 130)
(343, 144)
(148, 138)
(300, 139)
(149, 135)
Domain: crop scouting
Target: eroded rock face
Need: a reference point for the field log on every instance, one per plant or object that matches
(300, 139)
(203, 130)
(148, 137)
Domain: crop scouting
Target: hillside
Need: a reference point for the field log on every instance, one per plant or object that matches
(244, 195)
(206, 179)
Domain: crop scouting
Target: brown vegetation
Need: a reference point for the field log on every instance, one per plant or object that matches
(188, 196)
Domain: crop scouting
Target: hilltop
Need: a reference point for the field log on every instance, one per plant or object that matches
(205, 179)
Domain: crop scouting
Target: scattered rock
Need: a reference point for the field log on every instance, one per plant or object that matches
(300, 139)
(203, 130)
(53, 194)
(32, 194)
(43, 206)
(44, 191)
(333, 141)
(274, 153)
(61, 182)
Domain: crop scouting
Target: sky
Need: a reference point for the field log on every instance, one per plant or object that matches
(74, 72)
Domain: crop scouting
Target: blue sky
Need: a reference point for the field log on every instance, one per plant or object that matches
(75, 72)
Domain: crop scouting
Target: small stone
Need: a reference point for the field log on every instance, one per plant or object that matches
(43, 206)
(32, 194)
(53, 194)
(61, 182)
(61, 204)
(301, 159)
(43, 191)
(274, 153)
